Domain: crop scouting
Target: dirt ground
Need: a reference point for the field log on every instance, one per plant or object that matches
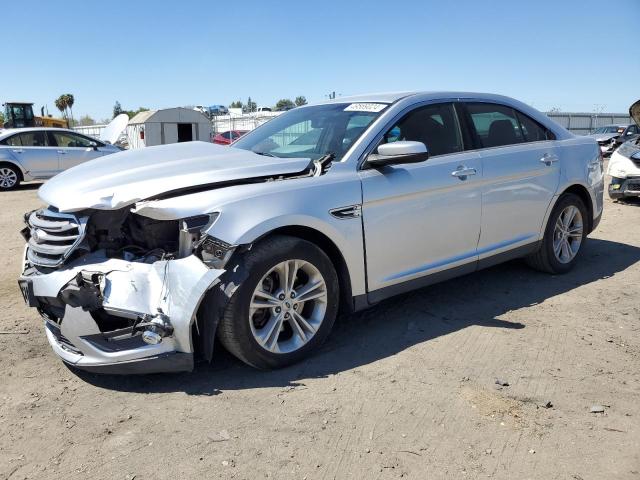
(405, 389)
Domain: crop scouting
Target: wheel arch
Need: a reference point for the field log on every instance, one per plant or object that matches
(204, 329)
(329, 247)
(5, 162)
(582, 192)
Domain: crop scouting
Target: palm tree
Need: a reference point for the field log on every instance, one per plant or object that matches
(69, 100)
(61, 104)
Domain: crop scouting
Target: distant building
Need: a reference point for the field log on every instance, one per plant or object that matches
(171, 125)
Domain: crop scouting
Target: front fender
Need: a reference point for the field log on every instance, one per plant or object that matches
(248, 212)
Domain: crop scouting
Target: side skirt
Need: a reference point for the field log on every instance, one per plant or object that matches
(362, 302)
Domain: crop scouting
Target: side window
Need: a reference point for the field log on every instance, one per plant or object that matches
(70, 140)
(434, 125)
(33, 139)
(12, 141)
(532, 130)
(227, 135)
(495, 125)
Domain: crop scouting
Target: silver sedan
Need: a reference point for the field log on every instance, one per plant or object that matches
(39, 153)
(143, 259)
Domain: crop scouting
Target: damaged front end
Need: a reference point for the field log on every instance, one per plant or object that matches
(119, 291)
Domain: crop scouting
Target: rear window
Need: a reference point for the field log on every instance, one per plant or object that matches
(499, 125)
(495, 125)
(12, 141)
(33, 139)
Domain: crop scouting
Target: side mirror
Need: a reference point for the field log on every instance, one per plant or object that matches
(93, 145)
(396, 153)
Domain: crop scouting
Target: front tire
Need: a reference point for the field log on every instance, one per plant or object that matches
(564, 237)
(285, 308)
(9, 177)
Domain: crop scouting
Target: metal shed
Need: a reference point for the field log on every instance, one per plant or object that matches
(171, 125)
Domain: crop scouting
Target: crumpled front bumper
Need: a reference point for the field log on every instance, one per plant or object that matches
(128, 290)
(624, 187)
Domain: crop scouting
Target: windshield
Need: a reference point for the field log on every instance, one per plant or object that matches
(312, 132)
(610, 129)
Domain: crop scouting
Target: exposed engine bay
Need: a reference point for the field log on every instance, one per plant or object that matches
(115, 283)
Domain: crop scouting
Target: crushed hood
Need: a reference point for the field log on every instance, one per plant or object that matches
(634, 111)
(603, 137)
(123, 178)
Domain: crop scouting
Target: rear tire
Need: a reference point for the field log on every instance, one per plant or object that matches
(564, 237)
(276, 317)
(10, 177)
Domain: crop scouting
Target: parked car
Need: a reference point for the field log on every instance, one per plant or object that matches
(167, 248)
(632, 132)
(212, 110)
(226, 138)
(606, 137)
(624, 164)
(39, 153)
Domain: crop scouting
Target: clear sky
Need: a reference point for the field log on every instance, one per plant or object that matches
(576, 55)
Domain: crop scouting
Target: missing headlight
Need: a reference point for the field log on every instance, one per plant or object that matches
(215, 252)
(190, 235)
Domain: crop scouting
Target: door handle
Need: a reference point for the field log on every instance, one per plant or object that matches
(62, 152)
(463, 172)
(548, 159)
(17, 150)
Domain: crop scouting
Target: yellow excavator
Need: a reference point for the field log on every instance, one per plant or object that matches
(20, 115)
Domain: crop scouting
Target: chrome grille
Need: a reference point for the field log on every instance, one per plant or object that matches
(53, 236)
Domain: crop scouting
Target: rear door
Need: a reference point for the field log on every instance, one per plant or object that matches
(32, 150)
(521, 175)
(423, 218)
(73, 149)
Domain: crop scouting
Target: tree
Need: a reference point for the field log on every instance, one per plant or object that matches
(117, 109)
(236, 104)
(301, 100)
(69, 100)
(61, 104)
(285, 104)
(1, 119)
(86, 120)
(133, 113)
(250, 106)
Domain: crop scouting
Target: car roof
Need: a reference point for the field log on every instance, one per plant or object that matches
(11, 131)
(392, 97)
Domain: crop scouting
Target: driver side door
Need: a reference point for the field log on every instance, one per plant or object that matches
(422, 221)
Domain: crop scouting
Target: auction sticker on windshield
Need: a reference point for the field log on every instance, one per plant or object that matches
(365, 107)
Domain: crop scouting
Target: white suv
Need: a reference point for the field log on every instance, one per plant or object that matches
(143, 258)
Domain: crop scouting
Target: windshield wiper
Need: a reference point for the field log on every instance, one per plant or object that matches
(324, 162)
(266, 154)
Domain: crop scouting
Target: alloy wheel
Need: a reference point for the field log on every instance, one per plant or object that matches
(8, 178)
(288, 306)
(567, 235)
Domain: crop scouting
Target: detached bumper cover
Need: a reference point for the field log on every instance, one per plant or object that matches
(129, 290)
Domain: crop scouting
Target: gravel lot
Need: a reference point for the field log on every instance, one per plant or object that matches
(405, 389)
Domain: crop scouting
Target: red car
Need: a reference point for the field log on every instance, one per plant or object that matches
(225, 138)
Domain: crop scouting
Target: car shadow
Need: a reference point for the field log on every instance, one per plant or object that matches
(631, 201)
(28, 186)
(396, 324)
